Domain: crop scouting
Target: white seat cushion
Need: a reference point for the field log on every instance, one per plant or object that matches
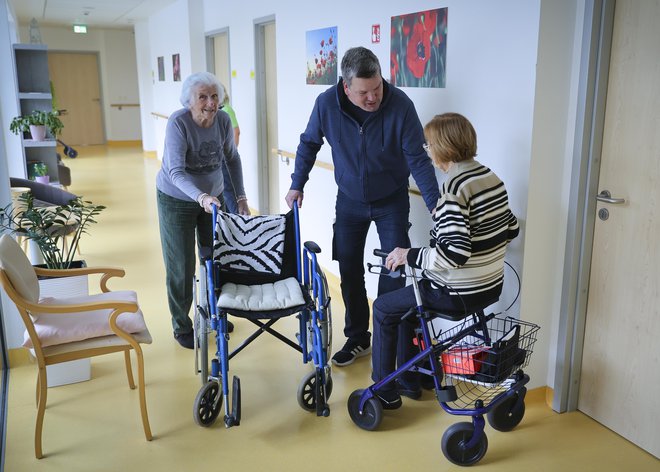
(60, 328)
(276, 296)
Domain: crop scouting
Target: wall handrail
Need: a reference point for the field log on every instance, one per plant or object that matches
(160, 115)
(119, 106)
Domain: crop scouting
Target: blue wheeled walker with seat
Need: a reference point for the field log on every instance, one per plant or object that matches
(258, 271)
(476, 367)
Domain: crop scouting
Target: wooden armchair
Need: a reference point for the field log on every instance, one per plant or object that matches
(66, 329)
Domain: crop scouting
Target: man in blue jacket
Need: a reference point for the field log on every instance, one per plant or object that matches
(377, 141)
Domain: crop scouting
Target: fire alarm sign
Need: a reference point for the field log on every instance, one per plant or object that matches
(375, 33)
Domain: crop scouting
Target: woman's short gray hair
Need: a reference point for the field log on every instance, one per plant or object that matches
(359, 62)
(193, 81)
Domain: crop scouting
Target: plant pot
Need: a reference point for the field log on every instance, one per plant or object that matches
(42, 179)
(38, 132)
(59, 287)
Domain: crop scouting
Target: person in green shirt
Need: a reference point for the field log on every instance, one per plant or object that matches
(229, 192)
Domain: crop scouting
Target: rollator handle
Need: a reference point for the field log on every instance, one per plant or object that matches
(379, 269)
(380, 253)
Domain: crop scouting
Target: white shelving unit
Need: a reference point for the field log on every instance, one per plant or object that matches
(34, 93)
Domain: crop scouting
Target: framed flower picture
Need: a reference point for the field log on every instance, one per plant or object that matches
(321, 52)
(418, 57)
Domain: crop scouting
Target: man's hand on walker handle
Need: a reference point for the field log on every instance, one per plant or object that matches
(397, 258)
(294, 195)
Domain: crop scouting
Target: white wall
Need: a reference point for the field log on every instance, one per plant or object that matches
(550, 173)
(118, 73)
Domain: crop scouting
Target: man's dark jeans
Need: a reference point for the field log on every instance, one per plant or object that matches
(352, 222)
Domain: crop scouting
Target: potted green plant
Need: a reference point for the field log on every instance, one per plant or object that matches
(38, 170)
(37, 123)
(47, 226)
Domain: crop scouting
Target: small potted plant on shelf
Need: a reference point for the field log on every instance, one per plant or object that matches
(38, 170)
(37, 123)
(48, 226)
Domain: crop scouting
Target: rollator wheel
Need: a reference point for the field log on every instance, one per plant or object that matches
(504, 417)
(207, 404)
(307, 391)
(454, 441)
(371, 415)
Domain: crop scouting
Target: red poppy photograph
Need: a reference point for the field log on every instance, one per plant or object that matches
(418, 57)
(322, 56)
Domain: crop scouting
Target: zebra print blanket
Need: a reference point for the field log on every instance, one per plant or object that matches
(250, 243)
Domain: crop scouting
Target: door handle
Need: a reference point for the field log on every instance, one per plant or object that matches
(606, 197)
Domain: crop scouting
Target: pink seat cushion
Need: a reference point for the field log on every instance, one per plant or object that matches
(60, 328)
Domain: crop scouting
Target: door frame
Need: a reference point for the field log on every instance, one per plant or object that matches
(263, 152)
(210, 55)
(587, 147)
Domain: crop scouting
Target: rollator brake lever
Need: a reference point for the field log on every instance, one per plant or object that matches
(380, 269)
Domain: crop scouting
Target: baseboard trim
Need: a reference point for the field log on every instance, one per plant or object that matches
(133, 143)
(19, 357)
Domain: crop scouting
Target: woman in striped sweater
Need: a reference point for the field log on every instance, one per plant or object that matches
(463, 267)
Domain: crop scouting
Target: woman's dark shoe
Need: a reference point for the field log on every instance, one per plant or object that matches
(390, 399)
(408, 391)
(186, 340)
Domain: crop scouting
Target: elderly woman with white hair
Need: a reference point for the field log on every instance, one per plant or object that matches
(198, 140)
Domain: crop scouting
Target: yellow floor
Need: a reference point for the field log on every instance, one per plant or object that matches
(95, 425)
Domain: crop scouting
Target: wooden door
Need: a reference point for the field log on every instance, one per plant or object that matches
(75, 78)
(221, 59)
(620, 379)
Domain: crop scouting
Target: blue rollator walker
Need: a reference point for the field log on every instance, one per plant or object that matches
(475, 367)
(259, 271)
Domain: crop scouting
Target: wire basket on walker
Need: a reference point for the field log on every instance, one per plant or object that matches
(476, 368)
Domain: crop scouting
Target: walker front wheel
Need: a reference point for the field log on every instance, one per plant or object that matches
(370, 416)
(454, 443)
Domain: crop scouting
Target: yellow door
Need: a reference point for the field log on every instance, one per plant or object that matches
(620, 379)
(221, 59)
(75, 78)
(274, 196)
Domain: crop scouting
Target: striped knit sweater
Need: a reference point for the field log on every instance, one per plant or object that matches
(472, 227)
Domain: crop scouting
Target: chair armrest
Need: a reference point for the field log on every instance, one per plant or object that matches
(108, 272)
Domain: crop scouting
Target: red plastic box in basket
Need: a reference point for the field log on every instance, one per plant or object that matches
(463, 360)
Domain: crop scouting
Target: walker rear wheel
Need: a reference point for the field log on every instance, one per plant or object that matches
(456, 438)
(505, 416)
(207, 404)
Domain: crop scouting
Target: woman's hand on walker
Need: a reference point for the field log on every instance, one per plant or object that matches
(396, 258)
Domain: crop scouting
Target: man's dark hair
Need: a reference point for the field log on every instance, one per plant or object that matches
(359, 62)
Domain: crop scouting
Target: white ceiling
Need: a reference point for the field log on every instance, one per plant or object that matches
(99, 13)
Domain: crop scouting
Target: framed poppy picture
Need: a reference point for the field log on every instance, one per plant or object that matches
(321, 52)
(418, 57)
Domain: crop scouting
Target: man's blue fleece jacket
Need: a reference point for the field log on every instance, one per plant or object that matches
(371, 161)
